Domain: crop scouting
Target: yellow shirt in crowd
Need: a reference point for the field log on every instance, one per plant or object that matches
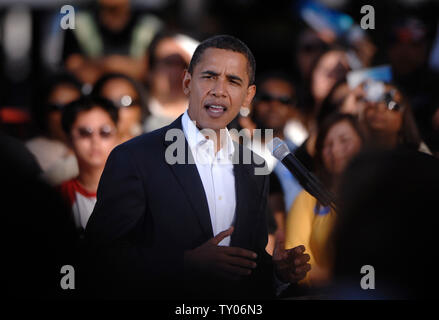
(310, 226)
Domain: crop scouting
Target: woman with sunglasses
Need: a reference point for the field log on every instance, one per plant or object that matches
(91, 126)
(387, 119)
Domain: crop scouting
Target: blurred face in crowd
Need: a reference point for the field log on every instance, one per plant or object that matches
(122, 93)
(167, 74)
(93, 137)
(435, 120)
(340, 145)
(406, 57)
(275, 103)
(340, 94)
(330, 68)
(114, 14)
(378, 118)
(409, 48)
(217, 88)
(309, 49)
(59, 97)
(354, 102)
(85, 70)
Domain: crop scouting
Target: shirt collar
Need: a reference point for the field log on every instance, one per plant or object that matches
(196, 139)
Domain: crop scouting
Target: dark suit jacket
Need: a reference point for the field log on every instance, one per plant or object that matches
(149, 212)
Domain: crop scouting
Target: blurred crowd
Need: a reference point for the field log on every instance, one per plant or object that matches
(374, 144)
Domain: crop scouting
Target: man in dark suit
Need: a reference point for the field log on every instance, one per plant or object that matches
(181, 211)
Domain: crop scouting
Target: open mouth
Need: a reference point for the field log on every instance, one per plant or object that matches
(215, 110)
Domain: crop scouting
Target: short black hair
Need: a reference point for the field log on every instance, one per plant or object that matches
(71, 111)
(225, 42)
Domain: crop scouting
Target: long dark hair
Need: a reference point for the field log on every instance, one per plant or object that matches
(328, 106)
(310, 98)
(408, 135)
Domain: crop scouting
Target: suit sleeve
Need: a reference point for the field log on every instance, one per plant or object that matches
(263, 225)
(264, 273)
(120, 232)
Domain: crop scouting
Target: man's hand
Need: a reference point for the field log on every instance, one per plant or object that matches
(290, 265)
(225, 262)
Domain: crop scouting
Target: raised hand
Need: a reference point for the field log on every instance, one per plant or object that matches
(290, 265)
(225, 262)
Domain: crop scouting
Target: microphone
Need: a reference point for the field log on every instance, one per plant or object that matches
(306, 179)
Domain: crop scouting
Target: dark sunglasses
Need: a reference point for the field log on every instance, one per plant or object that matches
(266, 97)
(390, 102)
(104, 132)
(174, 60)
(393, 106)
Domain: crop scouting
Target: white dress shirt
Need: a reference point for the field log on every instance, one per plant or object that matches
(216, 173)
(82, 209)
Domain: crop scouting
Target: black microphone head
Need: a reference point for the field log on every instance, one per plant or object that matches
(278, 148)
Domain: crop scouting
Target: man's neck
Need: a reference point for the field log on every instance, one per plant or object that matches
(217, 139)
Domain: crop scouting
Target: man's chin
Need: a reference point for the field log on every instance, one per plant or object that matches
(213, 124)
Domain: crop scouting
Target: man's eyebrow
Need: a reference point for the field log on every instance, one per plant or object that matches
(210, 73)
(233, 77)
(229, 76)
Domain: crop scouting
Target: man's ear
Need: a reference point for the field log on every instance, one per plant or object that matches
(187, 77)
(251, 91)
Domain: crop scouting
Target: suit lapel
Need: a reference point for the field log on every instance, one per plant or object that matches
(189, 178)
(240, 236)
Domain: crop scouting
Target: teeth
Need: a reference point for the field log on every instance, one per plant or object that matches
(216, 108)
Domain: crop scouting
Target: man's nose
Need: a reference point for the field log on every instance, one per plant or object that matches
(219, 88)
